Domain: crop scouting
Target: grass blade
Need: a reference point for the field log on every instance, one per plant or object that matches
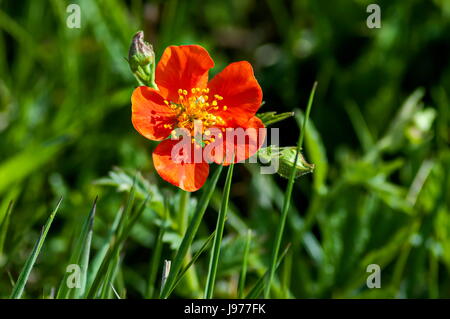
(156, 257)
(97, 261)
(241, 283)
(360, 126)
(287, 199)
(25, 273)
(190, 233)
(4, 226)
(193, 260)
(80, 257)
(106, 290)
(259, 286)
(212, 271)
(191, 278)
(114, 251)
(123, 230)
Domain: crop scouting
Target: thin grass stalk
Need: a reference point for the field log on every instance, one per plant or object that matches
(4, 224)
(258, 288)
(190, 234)
(80, 256)
(156, 256)
(193, 260)
(116, 246)
(287, 200)
(25, 273)
(191, 279)
(214, 260)
(154, 264)
(243, 275)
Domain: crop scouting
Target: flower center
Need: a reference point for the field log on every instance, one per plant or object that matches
(196, 105)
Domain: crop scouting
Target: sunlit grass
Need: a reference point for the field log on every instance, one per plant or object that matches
(378, 137)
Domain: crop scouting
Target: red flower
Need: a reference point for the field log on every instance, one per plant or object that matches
(229, 101)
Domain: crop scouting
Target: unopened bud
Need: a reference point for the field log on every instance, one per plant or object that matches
(141, 58)
(286, 158)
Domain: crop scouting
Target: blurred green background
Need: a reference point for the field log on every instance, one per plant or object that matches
(378, 135)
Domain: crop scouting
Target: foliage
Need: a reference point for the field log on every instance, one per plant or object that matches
(378, 136)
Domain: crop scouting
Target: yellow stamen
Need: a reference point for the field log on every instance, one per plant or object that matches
(195, 107)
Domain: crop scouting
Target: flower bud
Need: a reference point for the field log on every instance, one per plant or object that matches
(141, 58)
(286, 159)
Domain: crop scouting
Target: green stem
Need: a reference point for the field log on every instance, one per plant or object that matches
(190, 279)
(184, 214)
(29, 264)
(243, 275)
(286, 274)
(190, 233)
(155, 261)
(214, 260)
(287, 200)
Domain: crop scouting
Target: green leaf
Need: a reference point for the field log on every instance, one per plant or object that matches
(105, 275)
(19, 166)
(243, 275)
(190, 233)
(156, 258)
(316, 152)
(126, 223)
(395, 133)
(269, 118)
(193, 260)
(98, 259)
(107, 286)
(4, 226)
(287, 199)
(260, 284)
(213, 263)
(25, 273)
(360, 126)
(80, 257)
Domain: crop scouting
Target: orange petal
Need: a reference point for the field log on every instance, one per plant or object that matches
(182, 67)
(187, 176)
(252, 137)
(240, 91)
(149, 114)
